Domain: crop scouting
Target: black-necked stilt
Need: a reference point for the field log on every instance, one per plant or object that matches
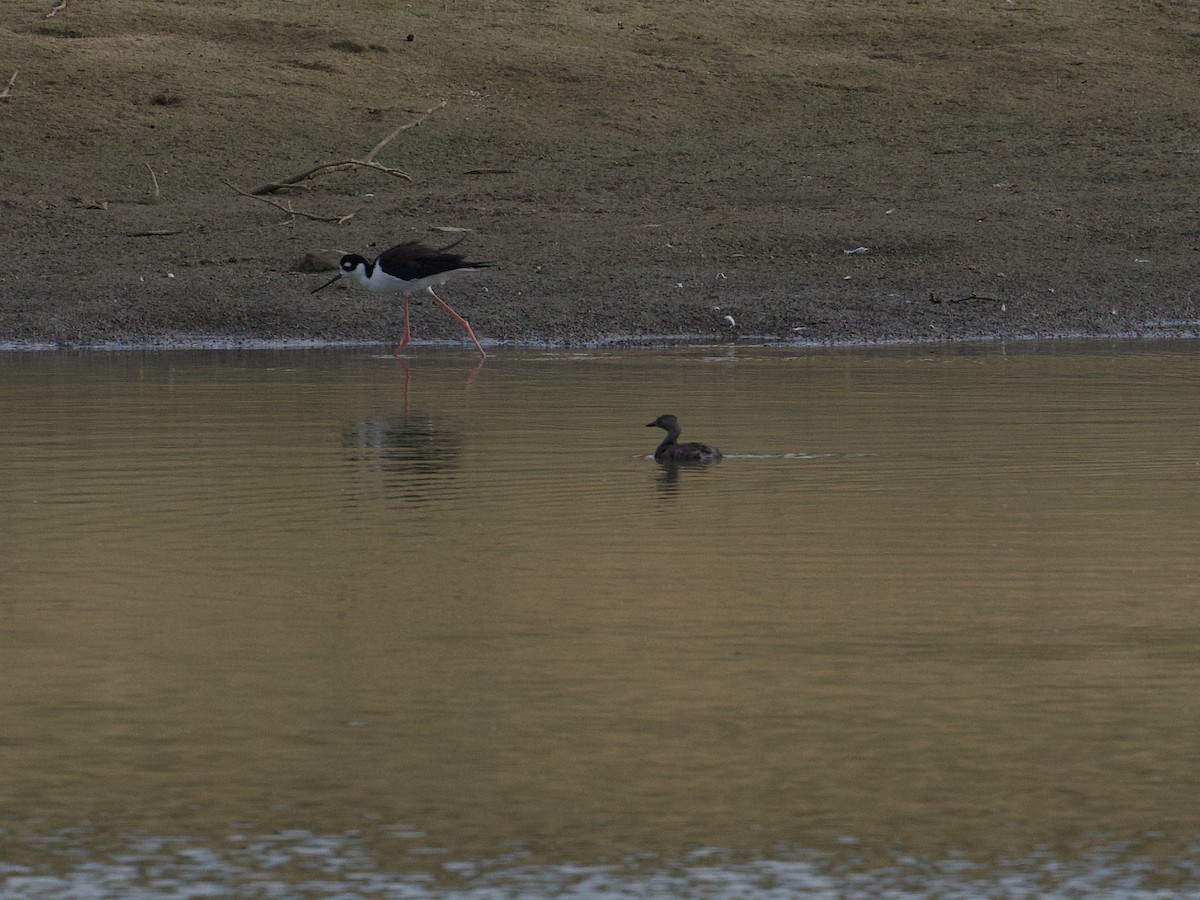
(408, 269)
(670, 451)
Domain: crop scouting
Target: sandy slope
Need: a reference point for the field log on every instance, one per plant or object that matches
(1013, 168)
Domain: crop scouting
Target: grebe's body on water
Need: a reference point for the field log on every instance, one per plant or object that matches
(671, 451)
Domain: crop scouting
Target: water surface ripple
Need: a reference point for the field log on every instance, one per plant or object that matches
(317, 623)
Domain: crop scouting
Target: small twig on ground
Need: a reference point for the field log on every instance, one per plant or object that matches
(325, 169)
(58, 7)
(413, 124)
(287, 207)
(7, 92)
(367, 162)
(933, 298)
(154, 178)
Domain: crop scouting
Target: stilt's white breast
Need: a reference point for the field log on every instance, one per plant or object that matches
(379, 280)
(376, 281)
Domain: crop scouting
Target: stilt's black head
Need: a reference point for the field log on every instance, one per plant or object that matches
(350, 262)
(346, 266)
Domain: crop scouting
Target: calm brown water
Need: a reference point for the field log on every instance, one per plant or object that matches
(314, 624)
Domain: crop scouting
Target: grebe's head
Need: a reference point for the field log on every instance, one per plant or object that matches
(667, 422)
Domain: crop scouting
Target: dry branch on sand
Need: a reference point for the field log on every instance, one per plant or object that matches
(7, 92)
(154, 178)
(58, 7)
(367, 162)
(934, 298)
(286, 206)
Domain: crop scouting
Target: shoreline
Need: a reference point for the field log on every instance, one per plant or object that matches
(651, 342)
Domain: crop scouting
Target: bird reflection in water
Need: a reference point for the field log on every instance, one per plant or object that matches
(411, 458)
(406, 377)
(670, 475)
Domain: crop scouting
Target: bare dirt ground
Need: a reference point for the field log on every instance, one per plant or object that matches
(636, 170)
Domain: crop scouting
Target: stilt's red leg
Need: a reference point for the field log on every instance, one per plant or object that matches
(404, 340)
(461, 321)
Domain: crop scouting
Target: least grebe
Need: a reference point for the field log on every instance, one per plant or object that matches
(672, 451)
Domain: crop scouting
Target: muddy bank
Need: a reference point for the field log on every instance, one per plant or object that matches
(857, 172)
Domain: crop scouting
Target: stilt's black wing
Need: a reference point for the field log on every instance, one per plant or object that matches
(413, 260)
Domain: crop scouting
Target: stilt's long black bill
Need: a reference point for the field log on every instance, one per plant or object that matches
(329, 282)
